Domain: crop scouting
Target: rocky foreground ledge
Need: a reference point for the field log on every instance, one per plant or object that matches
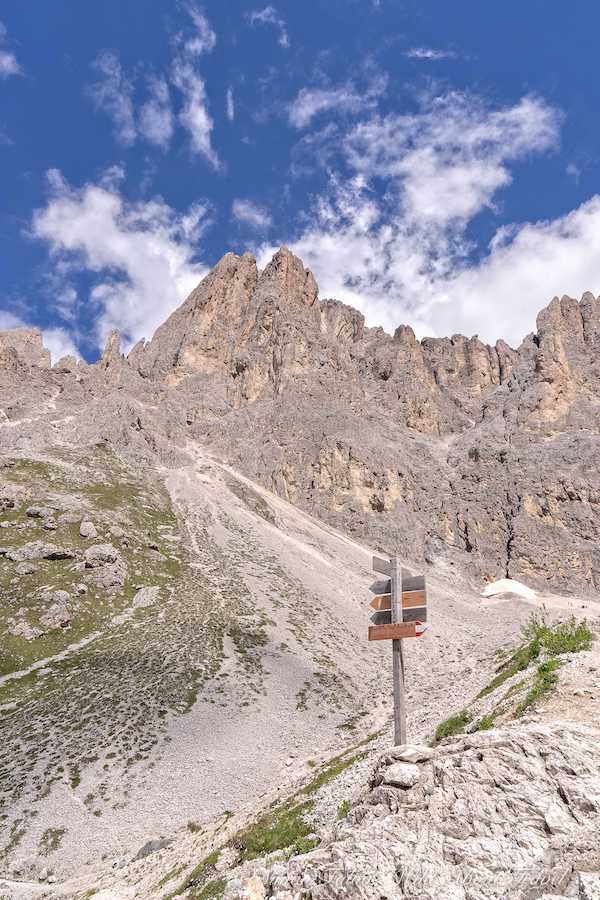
(511, 813)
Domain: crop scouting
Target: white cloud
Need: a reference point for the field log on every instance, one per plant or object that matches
(60, 343)
(8, 61)
(8, 64)
(252, 213)
(401, 254)
(156, 116)
(525, 267)
(194, 115)
(112, 94)
(230, 105)
(429, 53)
(447, 161)
(143, 253)
(270, 16)
(204, 39)
(8, 321)
(310, 102)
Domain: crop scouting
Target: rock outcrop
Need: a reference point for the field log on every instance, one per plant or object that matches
(24, 345)
(510, 813)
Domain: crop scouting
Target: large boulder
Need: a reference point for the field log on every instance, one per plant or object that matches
(108, 568)
(39, 550)
(57, 616)
(101, 555)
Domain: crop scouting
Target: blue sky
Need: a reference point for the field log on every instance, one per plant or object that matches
(434, 163)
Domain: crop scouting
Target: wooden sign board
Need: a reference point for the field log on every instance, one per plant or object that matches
(382, 566)
(393, 632)
(410, 583)
(382, 617)
(410, 599)
(384, 586)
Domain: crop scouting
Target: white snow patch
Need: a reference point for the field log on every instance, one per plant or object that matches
(508, 586)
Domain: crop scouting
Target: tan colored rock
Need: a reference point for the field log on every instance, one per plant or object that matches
(28, 345)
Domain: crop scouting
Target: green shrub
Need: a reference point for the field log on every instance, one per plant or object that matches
(540, 638)
(558, 638)
(454, 725)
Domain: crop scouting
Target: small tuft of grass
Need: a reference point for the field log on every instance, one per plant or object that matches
(453, 725)
(198, 875)
(284, 827)
(193, 826)
(170, 875)
(51, 840)
(343, 810)
(485, 723)
(213, 890)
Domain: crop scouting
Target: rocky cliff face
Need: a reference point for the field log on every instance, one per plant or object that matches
(448, 450)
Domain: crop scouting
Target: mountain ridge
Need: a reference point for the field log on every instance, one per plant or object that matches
(428, 447)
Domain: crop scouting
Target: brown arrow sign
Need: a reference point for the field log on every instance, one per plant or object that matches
(410, 599)
(393, 632)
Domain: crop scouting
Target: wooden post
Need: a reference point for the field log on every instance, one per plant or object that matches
(398, 661)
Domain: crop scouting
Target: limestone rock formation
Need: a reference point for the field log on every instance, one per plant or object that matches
(452, 452)
(508, 813)
(26, 344)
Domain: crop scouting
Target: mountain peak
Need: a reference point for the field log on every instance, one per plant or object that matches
(287, 277)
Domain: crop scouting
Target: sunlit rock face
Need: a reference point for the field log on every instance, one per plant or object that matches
(449, 450)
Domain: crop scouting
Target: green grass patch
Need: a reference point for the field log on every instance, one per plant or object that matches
(454, 725)
(51, 840)
(199, 874)
(284, 827)
(558, 638)
(170, 875)
(546, 680)
(343, 810)
(485, 723)
(541, 638)
(331, 770)
(211, 891)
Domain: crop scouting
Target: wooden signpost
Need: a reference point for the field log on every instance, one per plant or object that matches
(400, 605)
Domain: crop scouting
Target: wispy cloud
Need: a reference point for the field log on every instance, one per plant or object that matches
(204, 39)
(429, 53)
(230, 105)
(195, 115)
(311, 102)
(251, 213)
(402, 253)
(142, 254)
(156, 115)
(270, 16)
(112, 93)
(8, 61)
